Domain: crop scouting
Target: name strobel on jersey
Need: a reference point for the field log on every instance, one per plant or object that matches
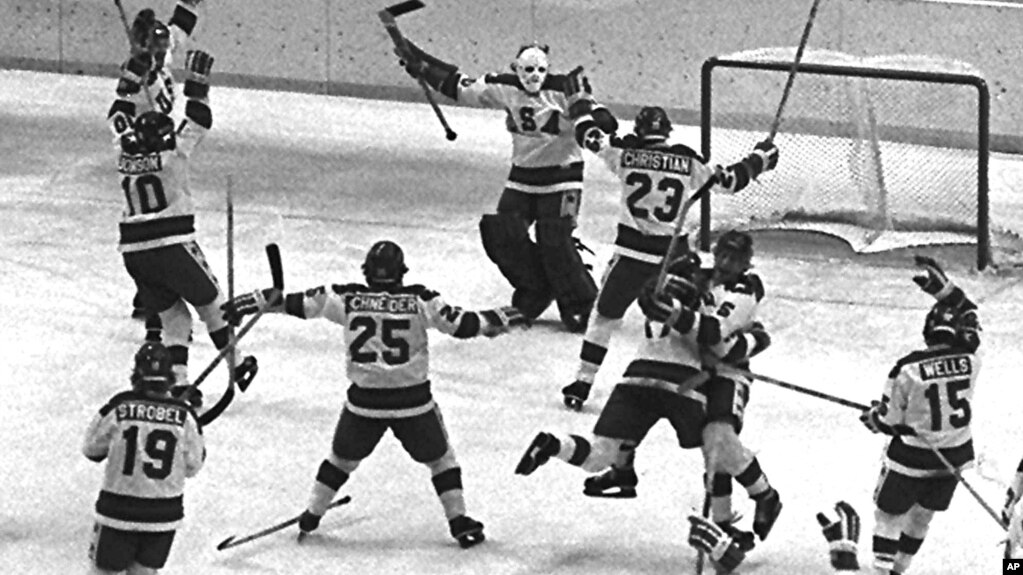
(946, 367)
(133, 164)
(149, 412)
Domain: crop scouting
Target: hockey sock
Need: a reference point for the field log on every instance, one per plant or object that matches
(887, 532)
(179, 363)
(908, 546)
(154, 328)
(626, 457)
(220, 338)
(448, 485)
(573, 449)
(721, 498)
(594, 349)
(329, 479)
(753, 479)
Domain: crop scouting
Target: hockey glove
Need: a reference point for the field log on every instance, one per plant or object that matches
(197, 83)
(189, 394)
(871, 417)
(501, 320)
(578, 92)
(842, 534)
(246, 304)
(658, 307)
(768, 154)
(705, 536)
(933, 280)
(761, 339)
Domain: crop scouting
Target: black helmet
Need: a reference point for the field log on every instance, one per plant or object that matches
(652, 122)
(154, 131)
(385, 264)
(940, 325)
(152, 370)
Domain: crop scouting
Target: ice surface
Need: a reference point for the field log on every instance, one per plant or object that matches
(325, 177)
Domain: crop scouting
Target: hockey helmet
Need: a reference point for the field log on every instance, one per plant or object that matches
(531, 65)
(652, 123)
(385, 264)
(153, 369)
(151, 35)
(154, 131)
(940, 325)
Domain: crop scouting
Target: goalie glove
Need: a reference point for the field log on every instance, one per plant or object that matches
(842, 534)
(578, 93)
(501, 320)
(247, 304)
(933, 280)
(705, 536)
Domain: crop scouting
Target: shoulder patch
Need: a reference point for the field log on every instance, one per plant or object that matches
(424, 293)
(345, 289)
(629, 141)
(686, 151)
(116, 400)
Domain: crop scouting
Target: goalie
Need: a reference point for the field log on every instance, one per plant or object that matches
(544, 186)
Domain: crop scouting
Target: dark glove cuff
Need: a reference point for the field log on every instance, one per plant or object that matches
(844, 561)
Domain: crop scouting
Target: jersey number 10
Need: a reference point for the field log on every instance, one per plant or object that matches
(146, 196)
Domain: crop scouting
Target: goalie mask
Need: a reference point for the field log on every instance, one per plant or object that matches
(531, 66)
(652, 123)
(385, 264)
(152, 371)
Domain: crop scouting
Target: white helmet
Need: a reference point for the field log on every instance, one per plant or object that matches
(531, 66)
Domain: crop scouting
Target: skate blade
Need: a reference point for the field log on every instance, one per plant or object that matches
(620, 494)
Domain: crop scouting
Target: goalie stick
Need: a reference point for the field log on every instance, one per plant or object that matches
(234, 541)
(273, 255)
(388, 17)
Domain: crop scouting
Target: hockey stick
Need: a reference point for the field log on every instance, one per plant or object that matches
(792, 72)
(234, 541)
(677, 234)
(135, 48)
(387, 16)
(937, 452)
(230, 276)
(273, 254)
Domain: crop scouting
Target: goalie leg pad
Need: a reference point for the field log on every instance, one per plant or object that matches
(571, 282)
(506, 242)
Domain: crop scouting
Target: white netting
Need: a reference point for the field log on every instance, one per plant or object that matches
(882, 163)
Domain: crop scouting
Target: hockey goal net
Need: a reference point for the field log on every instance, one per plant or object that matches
(883, 152)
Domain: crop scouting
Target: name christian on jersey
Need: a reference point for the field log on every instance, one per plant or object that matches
(132, 165)
(654, 160)
(946, 367)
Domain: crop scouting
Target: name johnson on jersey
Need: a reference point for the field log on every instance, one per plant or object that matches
(135, 164)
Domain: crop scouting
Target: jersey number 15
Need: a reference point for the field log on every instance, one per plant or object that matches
(961, 413)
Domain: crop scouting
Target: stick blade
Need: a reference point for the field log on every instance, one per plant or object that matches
(226, 543)
(273, 256)
(404, 7)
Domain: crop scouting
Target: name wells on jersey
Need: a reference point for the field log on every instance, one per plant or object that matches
(946, 367)
(151, 412)
(653, 160)
(136, 164)
(385, 303)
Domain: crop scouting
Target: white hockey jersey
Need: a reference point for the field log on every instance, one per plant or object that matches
(545, 156)
(930, 392)
(159, 210)
(385, 340)
(132, 99)
(151, 445)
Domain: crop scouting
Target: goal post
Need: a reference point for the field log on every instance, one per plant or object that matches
(884, 152)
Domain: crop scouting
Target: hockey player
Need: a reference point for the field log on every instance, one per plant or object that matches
(661, 382)
(157, 229)
(145, 85)
(385, 331)
(544, 185)
(925, 406)
(657, 178)
(728, 333)
(151, 443)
